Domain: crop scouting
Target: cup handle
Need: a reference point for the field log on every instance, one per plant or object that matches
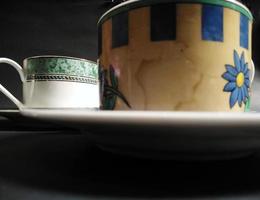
(253, 72)
(4, 90)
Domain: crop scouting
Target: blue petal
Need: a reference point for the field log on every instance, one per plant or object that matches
(242, 62)
(245, 68)
(240, 97)
(247, 83)
(237, 61)
(247, 74)
(229, 77)
(233, 98)
(245, 91)
(232, 70)
(230, 86)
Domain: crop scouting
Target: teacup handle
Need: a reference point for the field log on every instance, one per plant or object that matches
(19, 69)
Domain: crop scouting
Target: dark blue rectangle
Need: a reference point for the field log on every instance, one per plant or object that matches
(163, 22)
(120, 30)
(244, 27)
(212, 23)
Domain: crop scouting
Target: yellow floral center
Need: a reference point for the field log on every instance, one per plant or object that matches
(240, 79)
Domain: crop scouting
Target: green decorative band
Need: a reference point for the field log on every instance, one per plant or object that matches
(61, 65)
(132, 4)
(58, 77)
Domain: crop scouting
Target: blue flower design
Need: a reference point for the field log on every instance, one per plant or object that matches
(238, 80)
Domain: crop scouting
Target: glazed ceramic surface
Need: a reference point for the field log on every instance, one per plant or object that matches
(57, 82)
(163, 135)
(176, 55)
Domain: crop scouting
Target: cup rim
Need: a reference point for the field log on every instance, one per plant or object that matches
(130, 4)
(58, 56)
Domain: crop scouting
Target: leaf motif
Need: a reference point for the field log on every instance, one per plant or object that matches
(248, 105)
(109, 102)
(119, 94)
(113, 77)
(113, 103)
(109, 88)
(105, 78)
(108, 94)
(102, 81)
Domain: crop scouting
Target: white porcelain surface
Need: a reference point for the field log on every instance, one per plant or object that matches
(181, 135)
(60, 94)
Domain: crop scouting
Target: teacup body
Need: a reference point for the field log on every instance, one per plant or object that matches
(176, 55)
(60, 82)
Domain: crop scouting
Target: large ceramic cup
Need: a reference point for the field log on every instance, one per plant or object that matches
(176, 55)
(56, 82)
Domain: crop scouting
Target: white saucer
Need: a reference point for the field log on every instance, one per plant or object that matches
(9, 112)
(163, 135)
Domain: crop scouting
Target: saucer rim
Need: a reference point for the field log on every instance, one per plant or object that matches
(144, 118)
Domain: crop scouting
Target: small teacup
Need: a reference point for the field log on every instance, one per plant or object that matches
(56, 82)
